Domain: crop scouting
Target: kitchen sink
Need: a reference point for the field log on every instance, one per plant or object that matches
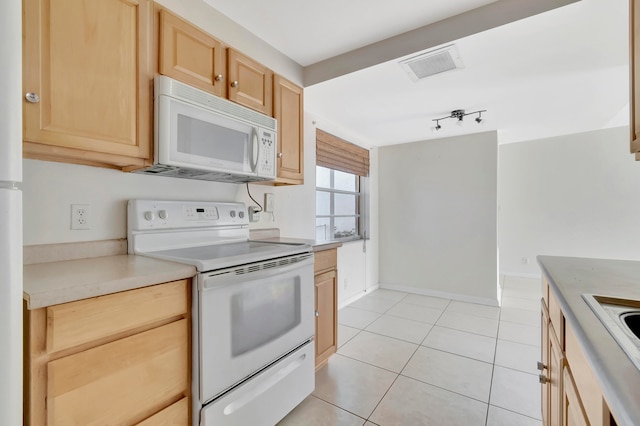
(621, 317)
(632, 321)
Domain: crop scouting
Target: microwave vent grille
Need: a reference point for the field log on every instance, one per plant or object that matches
(188, 173)
(196, 96)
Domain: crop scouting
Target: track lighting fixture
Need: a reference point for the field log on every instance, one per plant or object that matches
(459, 115)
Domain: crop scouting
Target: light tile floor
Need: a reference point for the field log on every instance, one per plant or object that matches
(407, 359)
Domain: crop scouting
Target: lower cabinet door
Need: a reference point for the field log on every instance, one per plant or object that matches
(573, 412)
(556, 363)
(326, 336)
(122, 382)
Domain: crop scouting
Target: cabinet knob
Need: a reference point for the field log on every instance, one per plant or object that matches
(279, 155)
(541, 366)
(317, 313)
(543, 379)
(235, 83)
(32, 97)
(219, 77)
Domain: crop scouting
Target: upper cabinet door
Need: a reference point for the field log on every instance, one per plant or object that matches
(288, 110)
(88, 78)
(191, 55)
(250, 83)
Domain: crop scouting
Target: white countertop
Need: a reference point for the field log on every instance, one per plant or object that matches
(570, 278)
(47, 284)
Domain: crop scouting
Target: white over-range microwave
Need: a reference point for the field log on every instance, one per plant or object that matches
(202, 136)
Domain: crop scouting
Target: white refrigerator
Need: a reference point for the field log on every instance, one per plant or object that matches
(10, 213)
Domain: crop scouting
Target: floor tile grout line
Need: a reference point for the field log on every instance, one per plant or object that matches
(391, 337)
(369, 364)
(511, 411)
(456, 354)
(464, 331)
(392, 383)
(340, 408)
(445, 389)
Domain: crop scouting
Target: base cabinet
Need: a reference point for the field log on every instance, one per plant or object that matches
(570, 393)
(326, 279)
(122, 358)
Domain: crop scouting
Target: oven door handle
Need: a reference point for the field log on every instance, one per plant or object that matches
(229, 277)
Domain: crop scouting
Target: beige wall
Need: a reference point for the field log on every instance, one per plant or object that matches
(438, 212)
(573, 195)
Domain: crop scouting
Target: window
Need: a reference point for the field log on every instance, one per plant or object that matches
(341, 189)
(338, 202)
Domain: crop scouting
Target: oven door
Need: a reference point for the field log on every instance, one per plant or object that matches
(250, 316)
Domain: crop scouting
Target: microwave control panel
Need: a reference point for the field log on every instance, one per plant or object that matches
(267, 160)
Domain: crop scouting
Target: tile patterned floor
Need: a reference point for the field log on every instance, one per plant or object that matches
(407, 359)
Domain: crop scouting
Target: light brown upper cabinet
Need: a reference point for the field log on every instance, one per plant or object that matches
(634, 67)
(87, 80)
(250, 83)
(190, 55)
(288, 110)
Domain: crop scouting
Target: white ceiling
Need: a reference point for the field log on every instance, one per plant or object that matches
(560, 72)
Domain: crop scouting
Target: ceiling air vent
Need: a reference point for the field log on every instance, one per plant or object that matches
(434, 62)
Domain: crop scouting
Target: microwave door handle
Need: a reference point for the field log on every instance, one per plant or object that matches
(255, 150)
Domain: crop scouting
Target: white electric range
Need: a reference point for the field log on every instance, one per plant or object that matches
(252, 308)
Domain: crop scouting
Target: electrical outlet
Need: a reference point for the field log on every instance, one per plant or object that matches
(80, 216)
(269, 202)
(254, 213)
(525, 260)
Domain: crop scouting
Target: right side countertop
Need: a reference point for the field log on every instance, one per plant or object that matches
(570, 278)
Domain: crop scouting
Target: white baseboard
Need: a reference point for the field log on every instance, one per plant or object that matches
(343, 303)
(442, 294)
(521, 274)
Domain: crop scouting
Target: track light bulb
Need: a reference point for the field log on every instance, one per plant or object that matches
(478, 120)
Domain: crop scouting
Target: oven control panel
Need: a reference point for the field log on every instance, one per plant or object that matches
(144, 215)
(200, 213)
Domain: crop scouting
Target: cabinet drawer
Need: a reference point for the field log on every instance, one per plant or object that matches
(326, 259)
(75, 323)
(175, 414)
(122, 382)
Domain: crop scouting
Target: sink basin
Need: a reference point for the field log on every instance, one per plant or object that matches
(632, 321)
(621, 317)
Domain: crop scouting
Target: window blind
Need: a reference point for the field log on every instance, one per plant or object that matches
(338, 154)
